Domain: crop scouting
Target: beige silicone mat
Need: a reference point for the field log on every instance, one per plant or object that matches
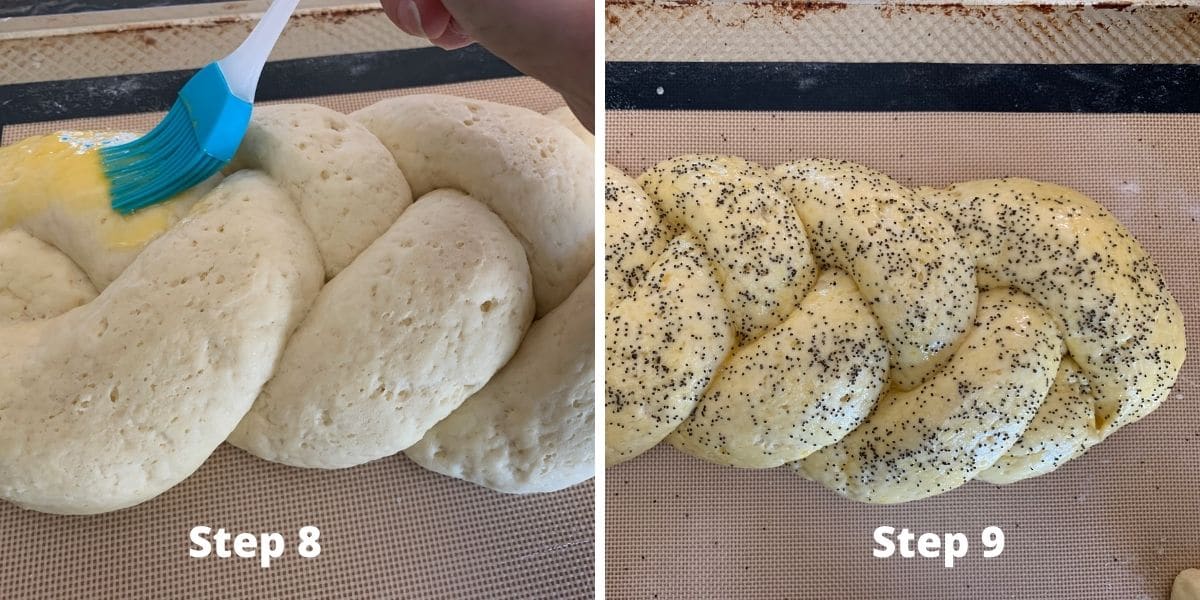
(1118, 523)
(973, 32)
(118, 42)
(389, 529)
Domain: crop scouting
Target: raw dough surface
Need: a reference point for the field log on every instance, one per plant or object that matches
(164, 328)
(1187, 585)
(95, 415)
(532, 427)
(394, 343)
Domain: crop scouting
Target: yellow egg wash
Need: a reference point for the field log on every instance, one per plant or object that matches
(62, 171)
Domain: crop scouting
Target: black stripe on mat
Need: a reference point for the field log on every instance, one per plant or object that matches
(281, 80)
(899, 87)
(25, 8)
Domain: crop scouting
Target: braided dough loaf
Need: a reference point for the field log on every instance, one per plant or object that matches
(302, 305)
(889, 343)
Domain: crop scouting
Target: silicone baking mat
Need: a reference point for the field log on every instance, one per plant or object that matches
(1118, 523)
(389, 529)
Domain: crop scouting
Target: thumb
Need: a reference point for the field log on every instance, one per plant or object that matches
(550, 40)
(428, 19)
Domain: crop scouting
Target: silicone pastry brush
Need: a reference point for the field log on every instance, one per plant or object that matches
(202, 130)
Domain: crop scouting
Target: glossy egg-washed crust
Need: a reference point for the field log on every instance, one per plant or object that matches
(889, 343)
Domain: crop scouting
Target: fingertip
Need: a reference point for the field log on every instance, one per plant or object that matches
(453, 37)
(427, 19)
(405, 15)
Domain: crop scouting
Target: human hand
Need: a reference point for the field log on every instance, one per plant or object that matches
(551, 40)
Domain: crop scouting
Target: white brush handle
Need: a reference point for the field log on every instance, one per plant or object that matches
(243, 66)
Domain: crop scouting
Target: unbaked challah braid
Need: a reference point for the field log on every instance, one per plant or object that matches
(889, 343)
(413, 277)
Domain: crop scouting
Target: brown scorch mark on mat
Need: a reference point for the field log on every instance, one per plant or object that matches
(1044, 16)
(333, 15)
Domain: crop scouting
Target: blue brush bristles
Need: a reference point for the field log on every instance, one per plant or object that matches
(158, 165)
(197, 137)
